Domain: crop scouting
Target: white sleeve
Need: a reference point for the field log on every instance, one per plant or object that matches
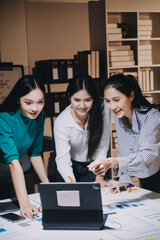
(63, 158)
(105, 141)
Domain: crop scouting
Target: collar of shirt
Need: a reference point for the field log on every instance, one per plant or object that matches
(124, 123)
(72, 123)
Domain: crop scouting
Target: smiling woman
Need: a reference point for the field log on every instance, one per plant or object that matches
(81, 132)
(21, 131)
(118, 103)
(82, 103)
(138, 128)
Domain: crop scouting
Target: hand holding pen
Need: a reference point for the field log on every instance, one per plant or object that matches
(121, 187)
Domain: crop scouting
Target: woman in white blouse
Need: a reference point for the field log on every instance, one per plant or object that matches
(138, 128)
(81, 132)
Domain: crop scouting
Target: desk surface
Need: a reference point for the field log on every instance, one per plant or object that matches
(134, 215)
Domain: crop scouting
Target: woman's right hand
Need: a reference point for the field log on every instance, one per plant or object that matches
(30, 211)
(101, 166)
(26, 209)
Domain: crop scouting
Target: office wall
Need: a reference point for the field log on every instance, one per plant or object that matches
(33, 31)
(56, 30)
(13, 37)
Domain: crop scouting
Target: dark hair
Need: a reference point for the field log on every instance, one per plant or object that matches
(96, 113)
(23, 86)
(127, 84)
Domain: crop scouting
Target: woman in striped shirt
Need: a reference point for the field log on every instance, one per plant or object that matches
(138, 128)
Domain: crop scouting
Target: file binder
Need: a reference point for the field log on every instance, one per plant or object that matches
(62, 69)
(55, 103)
(69, 66)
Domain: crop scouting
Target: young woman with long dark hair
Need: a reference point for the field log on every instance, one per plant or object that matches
(81, 132)
(21, 130)
(138, 128)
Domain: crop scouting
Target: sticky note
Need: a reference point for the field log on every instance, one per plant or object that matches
(134, 190)
(150, 238)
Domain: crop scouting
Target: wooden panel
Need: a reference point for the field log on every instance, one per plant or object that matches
(136, 5)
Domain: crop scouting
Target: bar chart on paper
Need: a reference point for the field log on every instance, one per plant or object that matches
(140, 224)
(132, 215)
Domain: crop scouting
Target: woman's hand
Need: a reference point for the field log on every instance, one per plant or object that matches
(117, 188)
(26, 209)
(30, 211)
(103, 183)
(100, 166)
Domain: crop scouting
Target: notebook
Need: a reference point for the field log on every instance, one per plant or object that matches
(72, 206)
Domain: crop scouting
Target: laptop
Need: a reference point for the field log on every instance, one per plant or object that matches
(71, 206)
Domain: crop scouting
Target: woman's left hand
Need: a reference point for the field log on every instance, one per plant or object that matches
(100, 166)
(117, 188)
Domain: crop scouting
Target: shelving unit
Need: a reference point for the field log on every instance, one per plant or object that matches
(146, 65)
(143, 42)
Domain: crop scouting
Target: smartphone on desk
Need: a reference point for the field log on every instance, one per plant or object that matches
(13, 217)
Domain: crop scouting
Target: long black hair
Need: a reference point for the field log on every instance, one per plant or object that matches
(95, 124)
(22, 87)
(127, 84)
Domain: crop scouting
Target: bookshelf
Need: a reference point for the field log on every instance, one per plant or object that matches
(136, 52)
(132, 42)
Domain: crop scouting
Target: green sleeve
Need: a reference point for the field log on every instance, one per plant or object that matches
(8, 149)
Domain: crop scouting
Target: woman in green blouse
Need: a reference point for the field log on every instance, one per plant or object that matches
(21, 130)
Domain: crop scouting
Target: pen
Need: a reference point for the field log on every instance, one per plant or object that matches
(123, 187)
(128, 186)
(71, 179)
